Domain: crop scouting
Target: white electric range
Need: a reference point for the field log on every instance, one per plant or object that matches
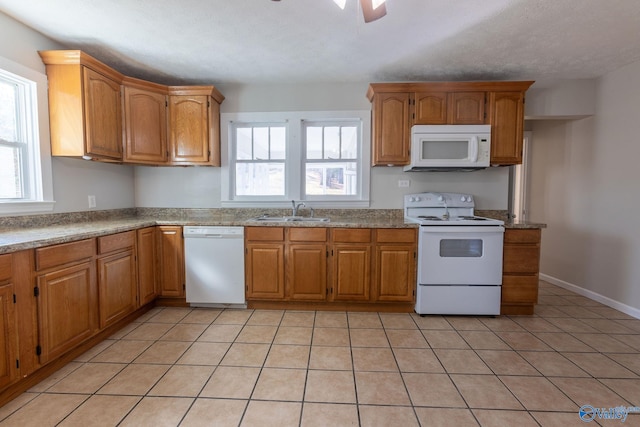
(459, 255)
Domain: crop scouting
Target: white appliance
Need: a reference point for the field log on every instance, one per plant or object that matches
(459, 255)
(214, 261)
(449, 147)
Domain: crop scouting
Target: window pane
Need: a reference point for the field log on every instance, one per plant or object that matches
(260, 179)
(261, 143)
(335, 178)
(10, 179)
(332, 142)
(278, 143)
(314, 142)
(349, 142)
(8, 113)
(243, 144)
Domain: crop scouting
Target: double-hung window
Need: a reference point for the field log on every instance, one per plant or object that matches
(260, 159)
(273, 158)
(23, 162)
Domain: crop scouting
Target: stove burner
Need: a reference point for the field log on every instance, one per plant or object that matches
(431, 217)
(473, 218)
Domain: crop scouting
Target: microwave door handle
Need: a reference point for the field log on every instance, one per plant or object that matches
(474, 149)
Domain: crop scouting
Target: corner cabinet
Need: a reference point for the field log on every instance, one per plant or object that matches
(145, 122)
(85, 113)
(398, 106)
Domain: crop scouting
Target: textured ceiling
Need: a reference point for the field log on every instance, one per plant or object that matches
(298, 41)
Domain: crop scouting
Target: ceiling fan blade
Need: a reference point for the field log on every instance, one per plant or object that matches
(371, 14)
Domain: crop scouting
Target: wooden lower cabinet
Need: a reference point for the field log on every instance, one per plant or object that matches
(170, 261)
(67, 308)
(146, 251)
(521, 264)
(336, 266)
(395, 264)
(351, 264)
(117, 283)
(8, 324)
(264, 262)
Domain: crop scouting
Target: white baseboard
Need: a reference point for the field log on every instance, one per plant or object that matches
(627, 309)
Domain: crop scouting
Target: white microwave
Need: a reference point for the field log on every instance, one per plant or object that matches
(449, 147)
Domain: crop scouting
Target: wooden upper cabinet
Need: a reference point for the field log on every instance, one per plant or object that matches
(145, 123)
(507, 127)
(85, 113)
(466, 108)
(455, 108)
(391, 137)
(96, 112)
(194, 125)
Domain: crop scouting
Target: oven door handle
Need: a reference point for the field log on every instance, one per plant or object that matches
(462, 229)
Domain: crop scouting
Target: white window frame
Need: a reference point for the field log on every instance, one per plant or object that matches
(295, 158)
(34, 114)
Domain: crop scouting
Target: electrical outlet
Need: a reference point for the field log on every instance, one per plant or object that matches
(403, 183)
(92, 202)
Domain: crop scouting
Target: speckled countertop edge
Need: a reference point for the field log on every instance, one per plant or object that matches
(18, 238)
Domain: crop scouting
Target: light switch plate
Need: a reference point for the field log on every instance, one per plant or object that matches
(403, 183)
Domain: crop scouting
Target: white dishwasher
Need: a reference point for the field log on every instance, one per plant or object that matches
(214, 264)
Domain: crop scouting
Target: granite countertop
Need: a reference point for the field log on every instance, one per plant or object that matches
(21, 235)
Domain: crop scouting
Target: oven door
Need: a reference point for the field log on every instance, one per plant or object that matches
(460, 255)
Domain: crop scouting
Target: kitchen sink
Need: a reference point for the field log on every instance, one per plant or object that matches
(289, 219)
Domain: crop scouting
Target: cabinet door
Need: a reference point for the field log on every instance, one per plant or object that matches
(351, 272)
(391, 137)
(307, 272)
(430, 108)
(264, 270)
(395, 272)
(507, 127)
(67, 308)
(117, 287)
(102, 115)
(170, 261)
(146, 265)
(145, 117)
(189, 129)
(8, 335)
(466, 108)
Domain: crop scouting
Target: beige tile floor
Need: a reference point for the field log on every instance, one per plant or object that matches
(207, 367)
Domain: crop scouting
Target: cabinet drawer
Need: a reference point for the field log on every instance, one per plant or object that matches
(264, 233)
(520, 289)
(114, 242)
(522, 236)
(521, 259)
(64, 253)
(307, 234)
(5, 267)
(351, 235)
(395, 235)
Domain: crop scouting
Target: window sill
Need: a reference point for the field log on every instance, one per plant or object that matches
(25, 208)
(316, 204)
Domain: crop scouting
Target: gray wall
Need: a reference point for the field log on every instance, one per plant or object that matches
(73, 180)
(584, 186)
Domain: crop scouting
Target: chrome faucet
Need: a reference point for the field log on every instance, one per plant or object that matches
(295, 207)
